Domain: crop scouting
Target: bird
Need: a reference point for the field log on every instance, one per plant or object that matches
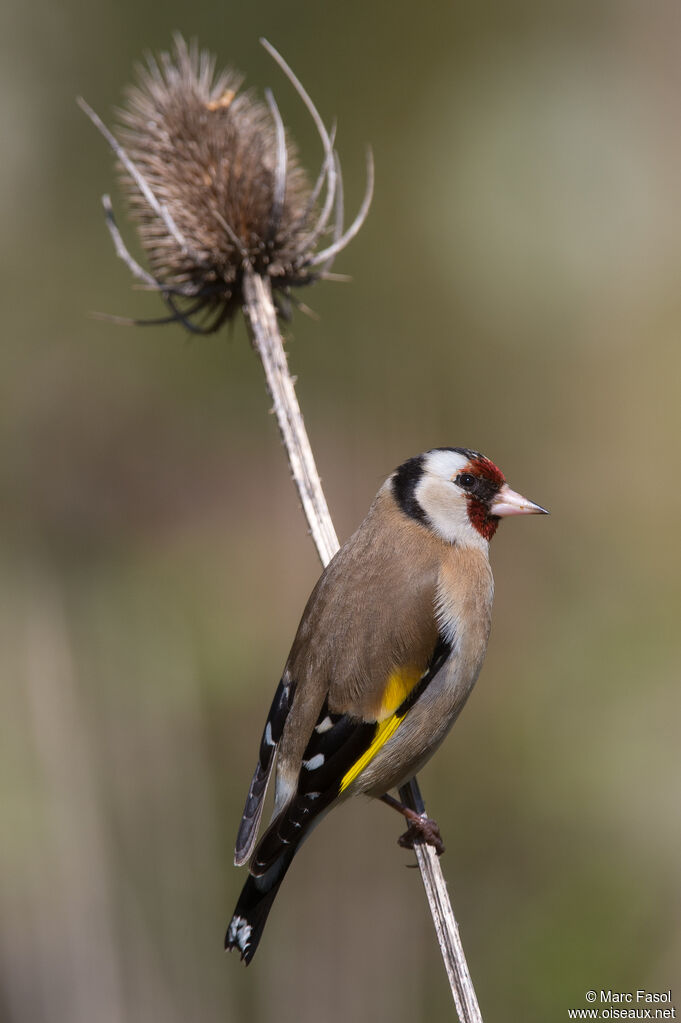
(389, 647)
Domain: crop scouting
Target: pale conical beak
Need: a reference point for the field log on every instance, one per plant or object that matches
(508, 502)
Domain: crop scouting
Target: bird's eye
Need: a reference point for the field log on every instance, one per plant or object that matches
(465, 480)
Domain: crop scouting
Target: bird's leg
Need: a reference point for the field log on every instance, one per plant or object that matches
(421, 828)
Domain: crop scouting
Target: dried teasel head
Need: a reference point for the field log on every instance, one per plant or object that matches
(214, 184)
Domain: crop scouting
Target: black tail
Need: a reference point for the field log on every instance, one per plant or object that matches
(269, 863)
(252, 909)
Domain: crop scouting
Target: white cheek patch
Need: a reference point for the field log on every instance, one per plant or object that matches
(446, 509)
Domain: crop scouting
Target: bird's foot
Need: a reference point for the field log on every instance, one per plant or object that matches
(422, 829)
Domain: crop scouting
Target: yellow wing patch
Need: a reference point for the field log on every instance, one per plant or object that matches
(400, 683)
(383, 732)
(398, 687)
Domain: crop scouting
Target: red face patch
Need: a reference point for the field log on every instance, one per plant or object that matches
(478, 506)
(480, 518)
(482, 466)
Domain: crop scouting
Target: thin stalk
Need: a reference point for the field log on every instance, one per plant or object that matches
(261, 317)
(446, 927)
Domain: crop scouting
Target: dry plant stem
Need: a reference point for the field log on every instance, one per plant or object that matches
(262, 321)
(446, 926)
(261, 317)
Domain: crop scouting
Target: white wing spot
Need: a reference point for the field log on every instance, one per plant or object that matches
(324, 725)
(268, 734)
(240, 932)
(314, 762)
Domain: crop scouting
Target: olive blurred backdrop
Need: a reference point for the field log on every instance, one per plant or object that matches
(516, 289)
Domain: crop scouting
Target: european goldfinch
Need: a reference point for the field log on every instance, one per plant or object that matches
(389, 647)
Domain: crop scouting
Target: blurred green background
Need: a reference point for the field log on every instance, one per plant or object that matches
(516, 289)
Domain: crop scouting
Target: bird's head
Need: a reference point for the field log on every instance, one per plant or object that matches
(459, 494)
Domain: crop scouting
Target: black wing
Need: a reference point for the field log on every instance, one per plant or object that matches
(338, 750)
(274, 726)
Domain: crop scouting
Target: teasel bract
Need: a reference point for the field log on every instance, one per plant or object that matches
(215, 187)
